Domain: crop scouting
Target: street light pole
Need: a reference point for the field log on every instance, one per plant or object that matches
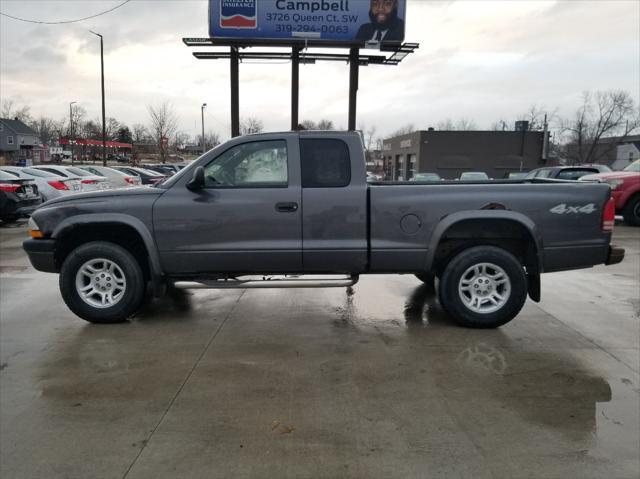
(104, 128)
(204, 148)
(71, 127)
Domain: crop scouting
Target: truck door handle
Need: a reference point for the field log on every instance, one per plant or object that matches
(286, 207)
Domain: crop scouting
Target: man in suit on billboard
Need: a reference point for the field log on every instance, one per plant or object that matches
(385, 25)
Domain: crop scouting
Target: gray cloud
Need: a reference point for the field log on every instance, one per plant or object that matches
(471, 63)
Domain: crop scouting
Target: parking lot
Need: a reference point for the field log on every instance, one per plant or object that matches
(373, 381)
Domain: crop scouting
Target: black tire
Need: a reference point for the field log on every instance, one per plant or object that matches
(132, 297)
(631, 212)
(450, 296)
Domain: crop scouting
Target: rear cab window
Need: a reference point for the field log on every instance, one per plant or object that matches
(325, 163)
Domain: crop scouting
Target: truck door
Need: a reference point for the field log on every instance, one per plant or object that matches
(247, 218)
(334, 198)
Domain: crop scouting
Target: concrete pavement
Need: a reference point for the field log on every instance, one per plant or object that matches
(374, 381)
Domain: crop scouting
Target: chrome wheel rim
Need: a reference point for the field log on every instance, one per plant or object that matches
(484, 288)
(100, 283)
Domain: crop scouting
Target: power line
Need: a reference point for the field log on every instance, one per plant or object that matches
(65, 21)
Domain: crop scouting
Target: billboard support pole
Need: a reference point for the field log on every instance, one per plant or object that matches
(354, 55)
(295, 86)
(235, 93)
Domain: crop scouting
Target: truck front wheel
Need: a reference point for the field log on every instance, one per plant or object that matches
(483, 287)
(102, 282)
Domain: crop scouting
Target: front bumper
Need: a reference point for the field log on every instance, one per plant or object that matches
(41, 254)
(615, 256)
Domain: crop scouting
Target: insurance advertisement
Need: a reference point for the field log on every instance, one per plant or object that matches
(332, 20)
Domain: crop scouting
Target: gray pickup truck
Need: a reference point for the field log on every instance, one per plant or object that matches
(295, 210)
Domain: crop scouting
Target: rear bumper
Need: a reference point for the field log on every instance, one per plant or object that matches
(615, 256)
(41, 254)
(15, 206)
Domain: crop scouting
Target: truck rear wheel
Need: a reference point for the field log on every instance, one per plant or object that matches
(102, 282)
(483, 287)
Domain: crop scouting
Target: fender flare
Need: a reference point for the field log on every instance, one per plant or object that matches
(455, 218)
(155, 268)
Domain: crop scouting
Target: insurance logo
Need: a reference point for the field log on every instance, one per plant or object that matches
(238, 13)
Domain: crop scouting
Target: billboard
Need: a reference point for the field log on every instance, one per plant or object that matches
(332, 20)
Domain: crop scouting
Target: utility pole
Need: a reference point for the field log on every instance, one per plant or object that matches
(204, 148)
(104, 127)
(71, 127)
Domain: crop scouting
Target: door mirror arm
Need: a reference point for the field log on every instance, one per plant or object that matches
(197, 181)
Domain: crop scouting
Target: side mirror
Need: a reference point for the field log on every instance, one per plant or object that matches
(197, 182)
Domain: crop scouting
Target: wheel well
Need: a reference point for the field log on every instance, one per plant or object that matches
(118, 233)
(503, 233)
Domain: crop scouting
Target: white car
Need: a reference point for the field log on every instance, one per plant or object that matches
(116, 178)
(89, 181)
(50, 185)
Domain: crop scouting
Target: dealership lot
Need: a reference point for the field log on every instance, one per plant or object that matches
(374, 381)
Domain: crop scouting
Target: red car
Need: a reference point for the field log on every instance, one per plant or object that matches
(625, 186)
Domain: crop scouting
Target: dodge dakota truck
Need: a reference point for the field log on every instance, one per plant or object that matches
(294, 209)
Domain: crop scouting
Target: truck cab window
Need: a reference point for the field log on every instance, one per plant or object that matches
(325, 163)
(249, 165)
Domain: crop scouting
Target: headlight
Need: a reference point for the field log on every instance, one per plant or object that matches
(32, 225)
(614, 183)
(34, 229)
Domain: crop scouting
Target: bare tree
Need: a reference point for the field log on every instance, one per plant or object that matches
(45, 128)
(499, 125)
(609, 113)
(211, 139)
(78, 115)
(466, 124)
(164, 124)
(404, 130)
(309, 125)
(139, 133)
(251, 125)
(324, 124)
(111, 128)
(11, 111)
(446, 125)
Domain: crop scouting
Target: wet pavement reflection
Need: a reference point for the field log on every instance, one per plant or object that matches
(370, 381)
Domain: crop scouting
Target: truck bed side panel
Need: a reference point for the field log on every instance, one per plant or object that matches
(404, 217)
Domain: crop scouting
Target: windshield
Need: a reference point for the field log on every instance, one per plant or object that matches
(426, 177)
(78, 171)
(472, 175)
(13, 173)
(40, 173)
(635, 166)
(6, 176)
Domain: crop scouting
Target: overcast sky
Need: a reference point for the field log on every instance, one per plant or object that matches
(479, 60)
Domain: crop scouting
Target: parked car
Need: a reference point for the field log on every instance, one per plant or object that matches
(567, 172)
(254, 207)
(166, 170)
(49, 185)
(18, 197)
(625, 186)
(147, 177)
(517, 175)
(115, 178)
(473, 176)
(426, 177)
(89, 181)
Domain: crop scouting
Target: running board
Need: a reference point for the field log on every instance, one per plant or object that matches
(270, 282)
